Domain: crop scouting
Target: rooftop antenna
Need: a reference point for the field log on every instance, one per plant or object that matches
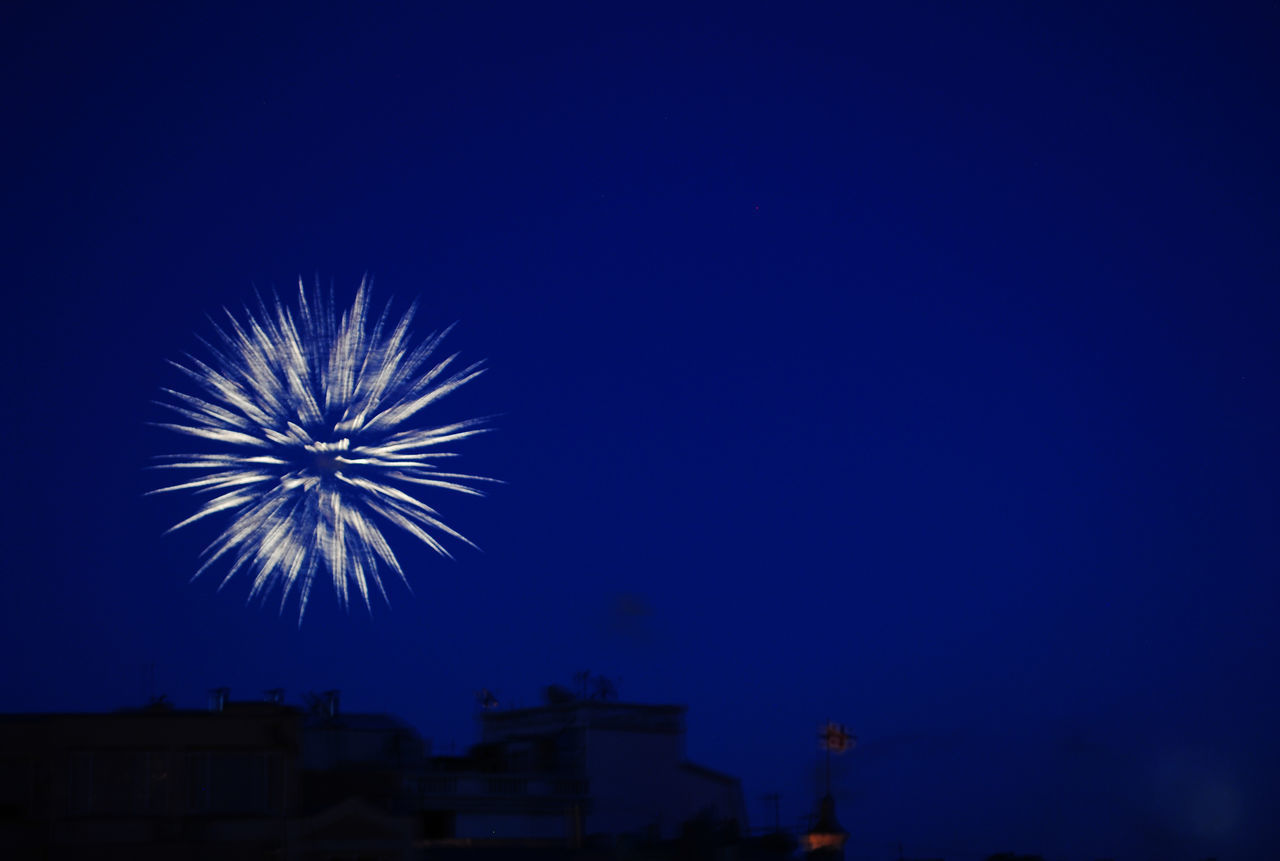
(603, 689)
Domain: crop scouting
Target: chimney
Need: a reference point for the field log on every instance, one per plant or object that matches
(275, 696)
(331, 703)
(218, 698)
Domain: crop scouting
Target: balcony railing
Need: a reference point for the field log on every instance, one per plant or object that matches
(502, 786)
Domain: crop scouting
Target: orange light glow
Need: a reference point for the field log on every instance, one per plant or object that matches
(823, 841)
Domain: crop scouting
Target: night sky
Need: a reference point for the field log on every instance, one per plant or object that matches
(904, 365)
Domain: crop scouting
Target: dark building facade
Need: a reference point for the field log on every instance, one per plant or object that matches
(152, 783)
(628, 757)
(264, 780)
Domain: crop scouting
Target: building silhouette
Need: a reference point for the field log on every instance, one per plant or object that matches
(630, 757)
(262, 779)
(150, 783)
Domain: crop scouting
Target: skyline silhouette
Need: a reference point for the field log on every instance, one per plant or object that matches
(910, 368)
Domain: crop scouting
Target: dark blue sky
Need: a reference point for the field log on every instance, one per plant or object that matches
(911, 366)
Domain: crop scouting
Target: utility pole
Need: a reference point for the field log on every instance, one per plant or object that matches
(828, 749)
(777, 819)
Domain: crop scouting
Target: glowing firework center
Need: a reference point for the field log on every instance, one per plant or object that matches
(297, 502)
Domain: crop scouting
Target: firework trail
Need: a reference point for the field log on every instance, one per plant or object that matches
(318, 447)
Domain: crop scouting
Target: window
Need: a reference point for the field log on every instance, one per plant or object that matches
(16, 787)
(155, 782)
(506, 786)
(439, 785)
(233, 782)
(117, 783)
(80, 783)
(438, 824)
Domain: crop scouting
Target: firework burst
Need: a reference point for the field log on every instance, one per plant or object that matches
(315, 421)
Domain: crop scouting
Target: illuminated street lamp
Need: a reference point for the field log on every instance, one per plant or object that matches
(825, 840)
(834, 738)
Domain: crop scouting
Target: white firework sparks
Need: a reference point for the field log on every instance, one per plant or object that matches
(313, 417)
